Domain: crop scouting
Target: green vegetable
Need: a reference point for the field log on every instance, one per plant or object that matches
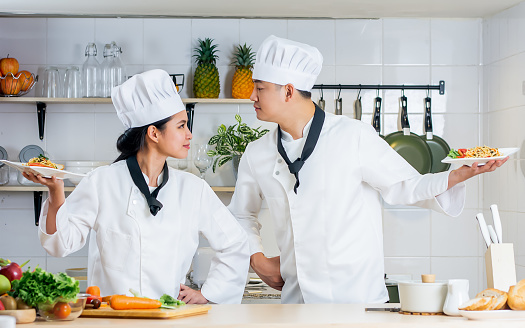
(453, 153)
(167, 300)
(40, 286)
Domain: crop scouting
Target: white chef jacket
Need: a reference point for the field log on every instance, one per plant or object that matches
(330, 232)
(152, 254)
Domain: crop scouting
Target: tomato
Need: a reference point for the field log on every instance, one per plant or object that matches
(62, 310)
(93, 290)
(93, 297)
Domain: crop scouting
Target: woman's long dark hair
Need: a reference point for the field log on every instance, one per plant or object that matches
(133, 140)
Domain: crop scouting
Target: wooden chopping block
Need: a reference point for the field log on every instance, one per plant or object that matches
(182, 311)
(22, 316)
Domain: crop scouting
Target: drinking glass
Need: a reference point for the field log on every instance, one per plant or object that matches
(51, 84)
(72, 82)
(201, 160)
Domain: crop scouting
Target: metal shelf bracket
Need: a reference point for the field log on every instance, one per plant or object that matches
(41, 114)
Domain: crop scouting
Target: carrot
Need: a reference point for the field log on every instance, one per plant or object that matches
(122, 302)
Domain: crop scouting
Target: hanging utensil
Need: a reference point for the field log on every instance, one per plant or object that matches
(497, 222)
(376, 118)
(358, 109)
(321, 102)
(409, 145)
(438, 146)
(339, 103)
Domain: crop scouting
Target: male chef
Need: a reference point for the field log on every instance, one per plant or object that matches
(322, 176)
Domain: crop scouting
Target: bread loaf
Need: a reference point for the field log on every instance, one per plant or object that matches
(516, 293)
(500, 298)
(478, 304)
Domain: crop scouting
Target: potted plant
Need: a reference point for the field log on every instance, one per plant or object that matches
(230, 143)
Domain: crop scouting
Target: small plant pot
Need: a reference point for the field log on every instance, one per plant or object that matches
(235, 164)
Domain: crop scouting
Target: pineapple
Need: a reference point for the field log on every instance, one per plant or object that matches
(242, 84)
(206, 81)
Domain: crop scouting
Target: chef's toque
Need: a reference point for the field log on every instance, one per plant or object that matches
(146, 98)
(283, 61)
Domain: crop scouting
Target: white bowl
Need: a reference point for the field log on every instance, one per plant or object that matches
(82, 167)
(416, 296)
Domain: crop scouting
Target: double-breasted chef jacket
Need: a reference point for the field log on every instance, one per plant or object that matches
(133, 249)
(330, 232)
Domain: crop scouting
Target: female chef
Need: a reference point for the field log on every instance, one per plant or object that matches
(146, 216)
(321, 176)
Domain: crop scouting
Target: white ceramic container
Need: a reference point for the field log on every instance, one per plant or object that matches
(416, 296)
(82, 167)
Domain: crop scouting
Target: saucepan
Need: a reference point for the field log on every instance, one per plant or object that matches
(438, 146)
(409, 145)
(422, 297)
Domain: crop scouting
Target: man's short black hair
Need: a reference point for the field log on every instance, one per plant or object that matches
(305, 94)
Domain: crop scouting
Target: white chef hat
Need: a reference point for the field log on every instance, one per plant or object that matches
(146, 98)
(283, 61)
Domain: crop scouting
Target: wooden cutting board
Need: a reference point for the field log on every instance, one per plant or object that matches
(22, 316)
(183, 311)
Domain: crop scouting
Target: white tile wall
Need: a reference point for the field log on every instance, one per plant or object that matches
(504, 71)
(387, 51)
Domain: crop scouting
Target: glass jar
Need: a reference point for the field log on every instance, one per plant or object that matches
(117, 68)
(105, 67)
(4, 169)
(91, 73)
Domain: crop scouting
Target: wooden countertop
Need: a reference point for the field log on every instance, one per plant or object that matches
(289, 315)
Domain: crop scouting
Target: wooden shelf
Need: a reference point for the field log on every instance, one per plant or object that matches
(32, 100)
(42, 188)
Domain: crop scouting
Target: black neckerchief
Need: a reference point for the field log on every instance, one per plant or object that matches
(311, 141)
(140, 182)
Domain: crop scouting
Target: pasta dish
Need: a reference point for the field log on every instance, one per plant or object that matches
(43, 161)
(476, 152)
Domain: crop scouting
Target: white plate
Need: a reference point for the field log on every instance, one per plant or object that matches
(46, 172)
(493, 315)
(482, 160)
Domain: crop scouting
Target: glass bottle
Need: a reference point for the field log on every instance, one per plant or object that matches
(105, 84)
(91, 73)
(117, 68)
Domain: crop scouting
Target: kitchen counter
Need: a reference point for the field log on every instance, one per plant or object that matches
(290, 316)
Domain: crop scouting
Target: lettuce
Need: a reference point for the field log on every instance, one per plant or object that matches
(40, 286)
(168, 300)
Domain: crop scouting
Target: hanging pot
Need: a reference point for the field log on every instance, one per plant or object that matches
(409, 145)
(321, 102)
(339, 104)
(438, 146)
(376, 118)
(358, 108)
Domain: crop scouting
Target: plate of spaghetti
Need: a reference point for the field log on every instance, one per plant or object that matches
(43, 166)
(480, 155)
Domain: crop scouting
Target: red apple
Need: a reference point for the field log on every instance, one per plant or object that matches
(25, 79)
(10, 85)
(12, 271)
(8, 65)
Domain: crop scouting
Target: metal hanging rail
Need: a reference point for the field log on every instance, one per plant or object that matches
(440, 87)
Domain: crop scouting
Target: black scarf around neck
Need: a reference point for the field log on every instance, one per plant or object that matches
(311, 141)
(140, 182)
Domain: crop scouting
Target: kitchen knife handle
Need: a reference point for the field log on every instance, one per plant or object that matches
(492, 234)
(483, 228)
(497, 222)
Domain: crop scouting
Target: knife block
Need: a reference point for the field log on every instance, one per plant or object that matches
(499, 263)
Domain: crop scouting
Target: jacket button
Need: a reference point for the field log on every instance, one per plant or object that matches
(279, 160)
(134, 202)
(277, 173)
(136, 191)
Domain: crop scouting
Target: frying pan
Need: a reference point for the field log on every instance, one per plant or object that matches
(438, 146)
(409, 145)
(376, 119)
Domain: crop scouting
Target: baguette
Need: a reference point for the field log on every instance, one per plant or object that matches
(500, 300)
(478, 304)
(516, 293)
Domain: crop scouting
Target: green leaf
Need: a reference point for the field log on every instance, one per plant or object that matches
(211, 153)
(168, 300)
(224, 160)
(238, 118)
(214, 140)
(222, 129)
